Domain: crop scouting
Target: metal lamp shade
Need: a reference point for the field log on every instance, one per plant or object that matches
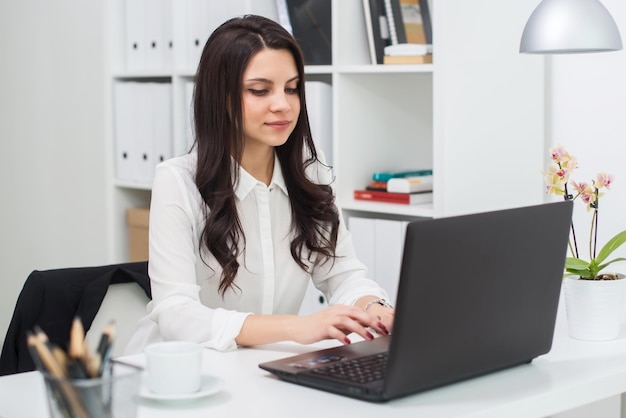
(570, 27)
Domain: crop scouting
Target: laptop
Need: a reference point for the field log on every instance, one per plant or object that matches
(477, 293)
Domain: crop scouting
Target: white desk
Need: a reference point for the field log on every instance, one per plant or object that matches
(574, 373)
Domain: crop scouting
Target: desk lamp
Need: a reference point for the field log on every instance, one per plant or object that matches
(570, 27)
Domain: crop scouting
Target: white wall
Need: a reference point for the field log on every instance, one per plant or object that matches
(587, 114)
(52, 175)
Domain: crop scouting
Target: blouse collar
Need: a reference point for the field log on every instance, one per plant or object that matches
(247, 182)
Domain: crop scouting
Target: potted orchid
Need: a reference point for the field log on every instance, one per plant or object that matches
(558, 182)
(586, 280)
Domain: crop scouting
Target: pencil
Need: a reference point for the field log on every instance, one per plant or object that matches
(31, 342)
(94, 363)
(50, 366)
(77, 350)
(62, 403)
(77, 339)
(88, 361)
(105, 345)
(52, 356)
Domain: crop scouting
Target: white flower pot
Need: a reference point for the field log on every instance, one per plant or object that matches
(595, 308)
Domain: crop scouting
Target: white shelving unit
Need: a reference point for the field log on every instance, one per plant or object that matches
(476, 115)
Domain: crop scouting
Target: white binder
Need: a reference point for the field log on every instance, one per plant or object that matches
(154, 36)
(162, 120)
(198, 30)
(219, 12)
(145, 158)
(181, 147)
(319, 103)
(123, 120)
(134, 39)
(203, 17)
(167, 34)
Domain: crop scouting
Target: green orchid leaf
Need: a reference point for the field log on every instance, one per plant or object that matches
(581, 273)
(612, 245)
(572, 263)
(603, 266)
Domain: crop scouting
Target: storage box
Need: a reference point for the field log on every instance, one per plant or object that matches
(137, 221)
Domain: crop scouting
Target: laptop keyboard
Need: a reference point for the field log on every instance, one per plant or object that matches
(360, 370)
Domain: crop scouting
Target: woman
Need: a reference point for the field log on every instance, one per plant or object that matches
(239, 226)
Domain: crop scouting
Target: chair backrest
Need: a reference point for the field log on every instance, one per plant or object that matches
(124, 303)
(51, 299)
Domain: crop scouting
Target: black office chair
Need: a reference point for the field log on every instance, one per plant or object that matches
(51, 299)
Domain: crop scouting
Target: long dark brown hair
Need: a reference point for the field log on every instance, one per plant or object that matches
(219, 139)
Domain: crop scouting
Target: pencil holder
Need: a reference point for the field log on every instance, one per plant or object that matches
(113, 395)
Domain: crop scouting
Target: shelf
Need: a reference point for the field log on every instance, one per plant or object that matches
(132, 186)
(425, 210)
(147, 75)
(458, 118)
(318, 69)
(384, 68)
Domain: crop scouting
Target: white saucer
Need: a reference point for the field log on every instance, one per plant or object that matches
(209, 386)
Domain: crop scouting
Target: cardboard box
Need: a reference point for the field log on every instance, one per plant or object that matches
(137, 221)
(408, 59)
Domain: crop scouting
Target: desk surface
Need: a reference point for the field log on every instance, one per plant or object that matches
(574, 373)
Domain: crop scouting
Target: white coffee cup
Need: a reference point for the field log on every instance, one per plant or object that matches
(174, 367)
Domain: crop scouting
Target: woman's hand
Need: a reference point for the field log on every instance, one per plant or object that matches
(337, 321)
(385, 314)
(376, 306)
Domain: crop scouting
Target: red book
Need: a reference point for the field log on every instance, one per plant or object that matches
(377, 185)
(404, 198)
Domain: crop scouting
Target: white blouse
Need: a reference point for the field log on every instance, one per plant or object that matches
(186, 304)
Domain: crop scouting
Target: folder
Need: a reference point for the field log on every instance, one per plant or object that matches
(319, 103)
(134, 40)
(203, 17)
(167, 35)
(162, 124)
(152, 37)
(183, 145)
(123, 126)
(145, 157)
(198, 30)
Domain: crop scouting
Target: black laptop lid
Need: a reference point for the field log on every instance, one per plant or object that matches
(477, 293)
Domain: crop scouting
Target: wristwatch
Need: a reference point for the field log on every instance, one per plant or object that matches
(381, 302)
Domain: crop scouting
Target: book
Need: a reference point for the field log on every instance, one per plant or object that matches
(416, 21)
(386, 175)
(387, 197)
(395, 22)
(410, 184)
(408, 59)
(377, 185)
(408, 49)
(377, 28)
